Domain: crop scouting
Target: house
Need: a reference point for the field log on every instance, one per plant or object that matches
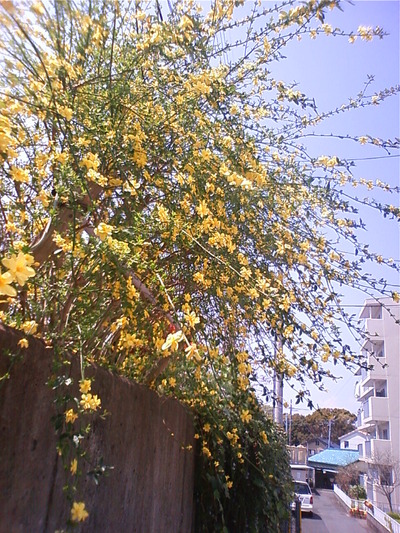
(327, 464)
(317, 445)
(378, 392)
(352, 440)
(301, 471)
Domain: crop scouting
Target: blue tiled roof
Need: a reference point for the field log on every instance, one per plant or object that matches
(335, 457)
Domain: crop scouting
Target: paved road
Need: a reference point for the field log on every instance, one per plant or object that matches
(330, 516)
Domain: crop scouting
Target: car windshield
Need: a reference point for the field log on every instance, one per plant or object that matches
(301, 488)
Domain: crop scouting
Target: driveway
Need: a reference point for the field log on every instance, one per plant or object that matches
(331, 516)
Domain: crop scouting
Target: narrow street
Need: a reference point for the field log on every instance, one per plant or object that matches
(330, 516)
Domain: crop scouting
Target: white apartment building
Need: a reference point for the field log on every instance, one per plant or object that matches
(379, 393)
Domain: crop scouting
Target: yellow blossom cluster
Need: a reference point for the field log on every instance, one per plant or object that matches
(19, 270)
(78, 512)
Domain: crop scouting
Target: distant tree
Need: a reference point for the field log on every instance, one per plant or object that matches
(316, 424)
(385, 468)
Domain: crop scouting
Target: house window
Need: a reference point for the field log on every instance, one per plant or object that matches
(346, 443)
(385, 434)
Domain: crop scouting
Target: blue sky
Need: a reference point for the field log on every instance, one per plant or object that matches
(333, 70)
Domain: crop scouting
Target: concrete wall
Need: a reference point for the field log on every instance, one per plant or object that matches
(149, 490)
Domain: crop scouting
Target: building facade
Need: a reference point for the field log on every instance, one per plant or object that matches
(352, 440)
(378, 392)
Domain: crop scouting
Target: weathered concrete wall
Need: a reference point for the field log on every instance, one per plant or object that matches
(149, 490)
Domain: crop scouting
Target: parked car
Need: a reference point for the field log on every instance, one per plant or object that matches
(303, 493)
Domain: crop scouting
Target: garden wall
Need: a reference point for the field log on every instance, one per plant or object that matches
(149, 489)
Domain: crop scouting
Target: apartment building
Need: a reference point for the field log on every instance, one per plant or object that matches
(378, 391)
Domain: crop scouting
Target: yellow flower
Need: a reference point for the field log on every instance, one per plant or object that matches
(38, 8)
(192, 352)
(206, 451)
(65, 112)
(18, 266)
(5, 287)
(29, 327)
(103, 230)
(163, 214)
(90, 161)
(78, 512)
(185, 23)
(366, 33)
(172, 341)
(245, 416)
(70, 416)
(264, 437)
(23, 343)
(327, 28)
(192, 319)
(74, 466)
(202, 209)
(90, 402)
(85, 385)
(19, 174)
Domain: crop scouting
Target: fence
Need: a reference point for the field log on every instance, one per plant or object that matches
(371, 510)
(145, 438)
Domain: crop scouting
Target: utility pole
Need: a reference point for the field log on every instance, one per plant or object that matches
(329, 432)
(277, 412)
(290, 423)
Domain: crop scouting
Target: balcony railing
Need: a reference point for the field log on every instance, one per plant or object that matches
(375, 409)
(378, 372)
(374, 327)
(378, 410)
(376, 448)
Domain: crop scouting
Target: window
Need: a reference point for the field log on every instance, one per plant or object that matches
(376, 311)
(386, 475)
(346, 443)
(378, 349)
(380, 389)
(383, 432)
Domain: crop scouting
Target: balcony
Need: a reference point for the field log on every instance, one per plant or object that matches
(368, 377)
(376, 448)
(375, 409)
(374, 327)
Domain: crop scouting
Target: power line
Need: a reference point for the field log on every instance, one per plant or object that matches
(376, 157)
